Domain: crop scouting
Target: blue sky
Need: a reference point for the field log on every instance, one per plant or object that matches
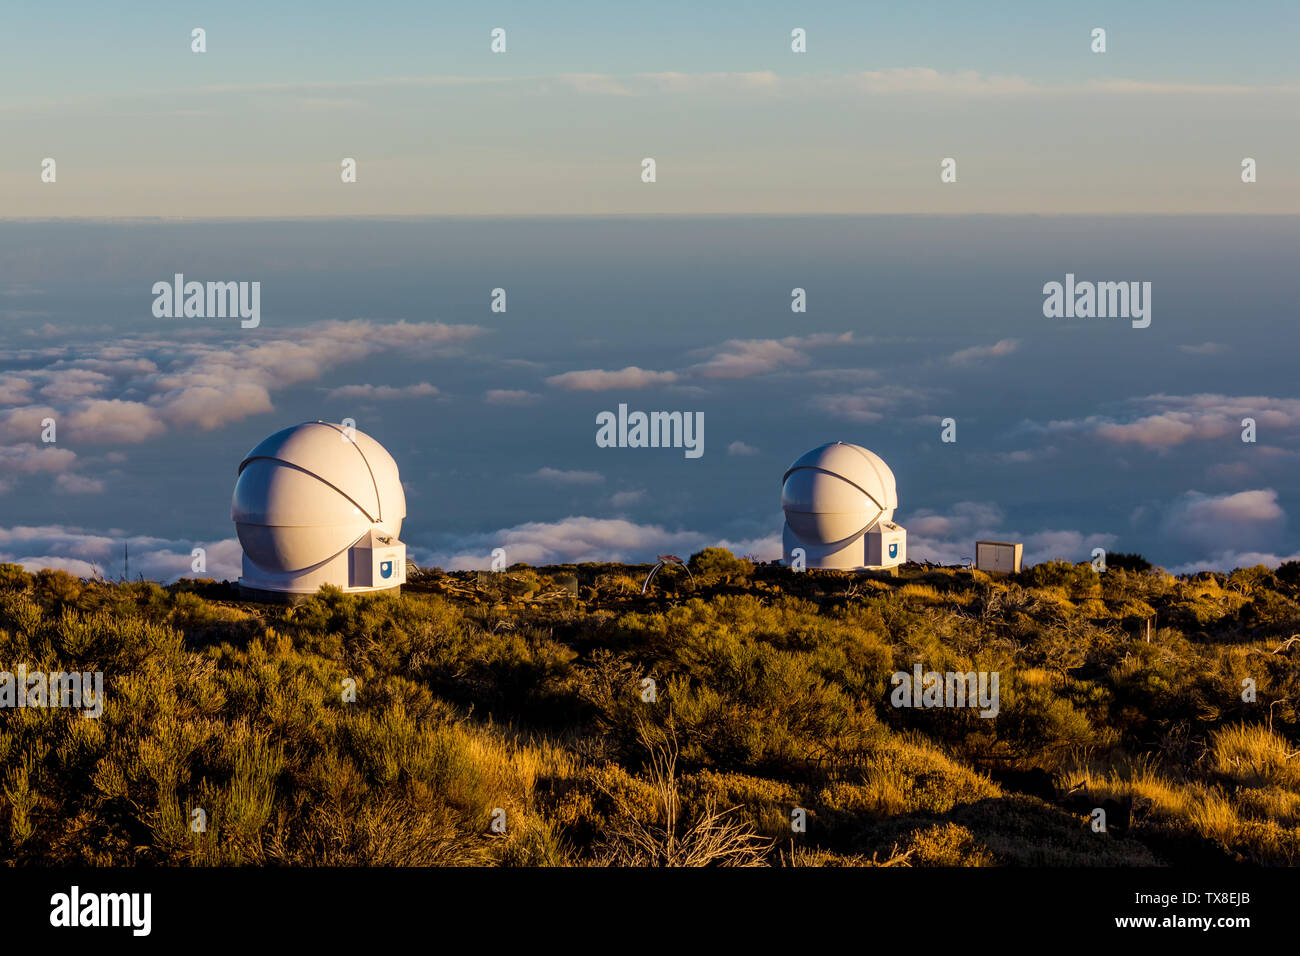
(139, 46)
(258, 125)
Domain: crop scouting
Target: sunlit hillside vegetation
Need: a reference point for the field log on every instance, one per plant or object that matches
(524, 700)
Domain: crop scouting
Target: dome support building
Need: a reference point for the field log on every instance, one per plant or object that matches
(839, 502)
(319, 504)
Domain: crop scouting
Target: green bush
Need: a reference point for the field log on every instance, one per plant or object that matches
(714, 566)
(1124, 561)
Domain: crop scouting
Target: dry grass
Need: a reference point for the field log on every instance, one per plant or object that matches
(1255, 756)
(712, 838)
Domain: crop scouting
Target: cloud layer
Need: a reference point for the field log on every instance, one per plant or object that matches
(598, 380)
(184, 382)
(1164, 421)
(87, 553)
(195, 383)
(576, 539)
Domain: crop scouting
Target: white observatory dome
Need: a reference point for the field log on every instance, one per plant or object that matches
(319, 504)
(833, 498)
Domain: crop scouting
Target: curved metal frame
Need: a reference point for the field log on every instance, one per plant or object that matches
(664, 563)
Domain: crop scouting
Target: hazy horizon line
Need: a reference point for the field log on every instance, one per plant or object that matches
(516, 217)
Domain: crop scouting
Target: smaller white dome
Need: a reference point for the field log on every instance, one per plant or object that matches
(836, 492)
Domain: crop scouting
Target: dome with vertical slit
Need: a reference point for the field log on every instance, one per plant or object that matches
(837, 491)
(309, 492)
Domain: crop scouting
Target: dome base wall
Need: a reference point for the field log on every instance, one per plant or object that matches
(247, 593)
(880, 547)
(374, 564)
